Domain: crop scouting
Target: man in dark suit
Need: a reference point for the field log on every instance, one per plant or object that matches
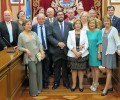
(115, 19)
(50, 16)
(58, 33)
(9, 32)
(41, 29)
(50, 19)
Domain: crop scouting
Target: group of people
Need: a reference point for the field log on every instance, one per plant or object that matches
(78, 42)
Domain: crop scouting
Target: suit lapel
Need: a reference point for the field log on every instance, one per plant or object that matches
(58, 30)
(5, 27)
(65, 30)
(113, 19)
(36, 29)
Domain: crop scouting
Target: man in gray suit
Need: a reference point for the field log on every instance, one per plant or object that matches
(50, 16)
(50, 19)
(57, 36)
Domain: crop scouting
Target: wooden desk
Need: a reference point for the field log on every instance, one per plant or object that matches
(116, 76)
(12, 74)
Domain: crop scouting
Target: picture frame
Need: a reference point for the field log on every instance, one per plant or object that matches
(115, 1)
(16, 1)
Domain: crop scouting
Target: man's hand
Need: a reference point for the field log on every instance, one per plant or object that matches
(42, 56)
(15, 47)
(118, 52)
(5, 47)
(61, 45)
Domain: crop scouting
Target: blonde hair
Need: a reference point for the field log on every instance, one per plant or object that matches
(75, 21)
(84, 12)
(92, 19)
(107, 17)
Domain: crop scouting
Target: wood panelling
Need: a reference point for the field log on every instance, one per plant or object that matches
(4, 87)
(116, 76)
(12, 74)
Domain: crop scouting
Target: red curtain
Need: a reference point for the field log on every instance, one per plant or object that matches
(95, 4)
(45, 3)
(3, 8)
(87, 4)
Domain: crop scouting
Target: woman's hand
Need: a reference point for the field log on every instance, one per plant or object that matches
(118, 52)
(78, 54)
(99, 56)
(42, 56)
(28, 53)
(82, 46)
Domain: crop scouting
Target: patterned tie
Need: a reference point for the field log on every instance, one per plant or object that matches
(10, 32)
(43, 41)
(62, 30)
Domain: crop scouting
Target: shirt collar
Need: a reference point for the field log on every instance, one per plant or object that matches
(43, 26)
(60, 22)
(8, 22)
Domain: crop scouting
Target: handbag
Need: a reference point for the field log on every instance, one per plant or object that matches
(38, 55)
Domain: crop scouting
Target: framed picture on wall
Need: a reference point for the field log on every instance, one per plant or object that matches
(114, 1)
(16, 1)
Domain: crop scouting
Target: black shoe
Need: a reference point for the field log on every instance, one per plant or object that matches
(81, 90)
(103, 94)
(45, 87)
(55, 86)
(104, 73)
(67, 86)
(72, 89)
(110, 89)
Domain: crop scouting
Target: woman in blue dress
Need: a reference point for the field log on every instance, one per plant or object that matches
(94, 40)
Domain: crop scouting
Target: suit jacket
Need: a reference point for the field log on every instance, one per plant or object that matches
(54, 37)
(34, 28)
(71, 43)
(47, 22)
(116, 23)
(4, 33)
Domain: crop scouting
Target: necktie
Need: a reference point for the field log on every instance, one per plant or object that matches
(10, 32)
(62, 30)
(42, 37)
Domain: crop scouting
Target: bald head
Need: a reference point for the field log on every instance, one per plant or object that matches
(92, 13)
(50, 12)
(80, 9)
(41, 18)
(7, 16)
(70, 13)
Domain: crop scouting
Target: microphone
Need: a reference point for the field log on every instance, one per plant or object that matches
(9, 51)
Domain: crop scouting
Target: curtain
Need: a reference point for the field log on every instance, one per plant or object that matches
(95, 4)
(45, 3)
(87, 4)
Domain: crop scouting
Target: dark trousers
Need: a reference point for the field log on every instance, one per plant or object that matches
(45, 64)
(51, 64)
(61, 63)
